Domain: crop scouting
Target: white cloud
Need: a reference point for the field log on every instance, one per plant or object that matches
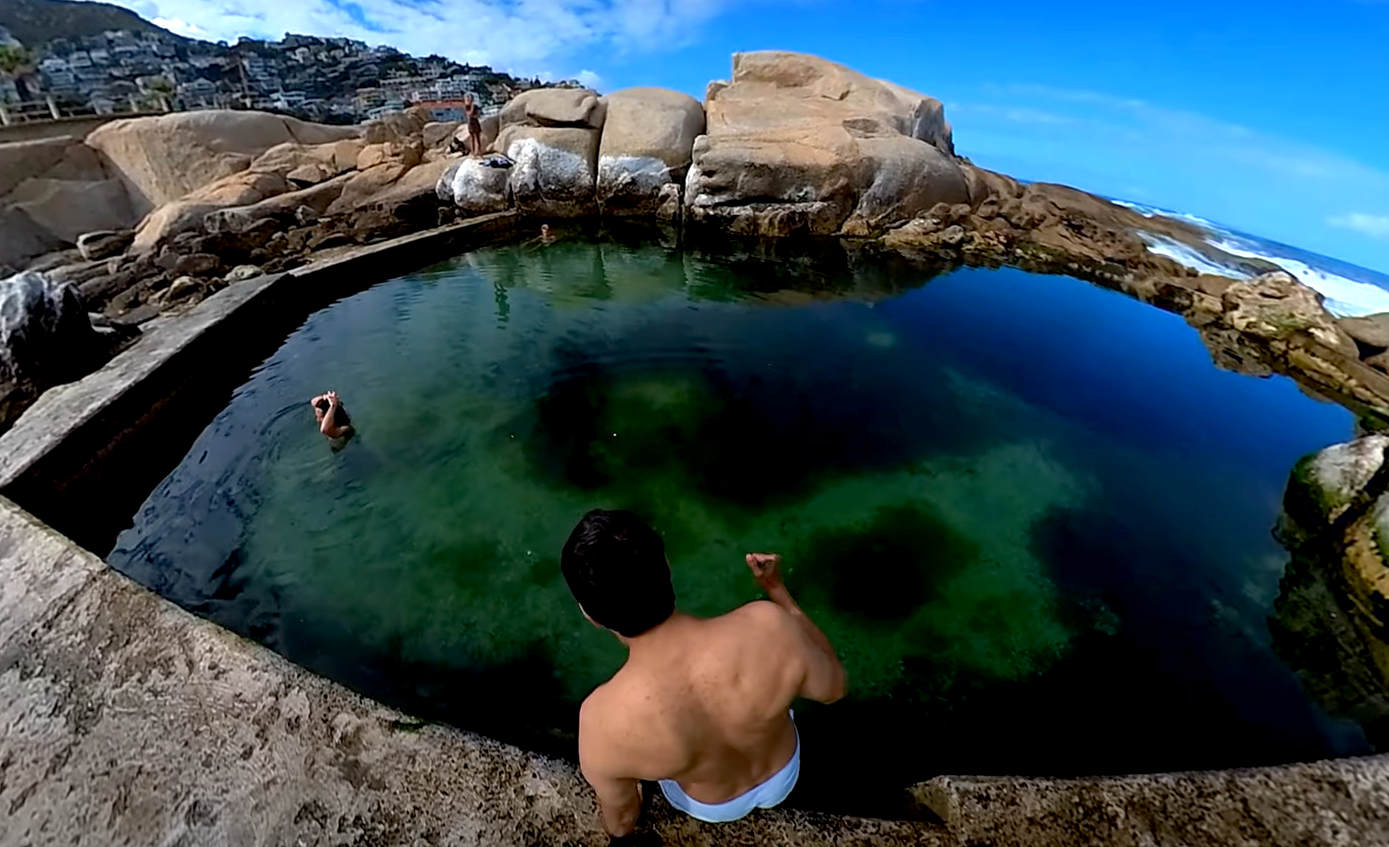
(1375, 226)
(520, 36)
(589, 79)
(179, 27)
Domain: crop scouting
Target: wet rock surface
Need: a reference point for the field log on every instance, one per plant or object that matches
(45, 338)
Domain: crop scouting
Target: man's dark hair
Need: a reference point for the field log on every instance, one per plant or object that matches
(616, 568)
(339, 419)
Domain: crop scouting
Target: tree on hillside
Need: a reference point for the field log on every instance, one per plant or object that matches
(15, 59)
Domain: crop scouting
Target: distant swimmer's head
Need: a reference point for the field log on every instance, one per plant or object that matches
(322, 405)
(616, 567)
(545, 232)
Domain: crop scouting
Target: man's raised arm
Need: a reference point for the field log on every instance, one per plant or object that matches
(826, 680)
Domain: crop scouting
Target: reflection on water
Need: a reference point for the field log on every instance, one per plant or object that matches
(1030, 513)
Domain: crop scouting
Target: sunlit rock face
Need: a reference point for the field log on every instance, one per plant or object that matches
(796, 143)
(647, 141)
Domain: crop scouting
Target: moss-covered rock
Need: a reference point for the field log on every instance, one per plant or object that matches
(1323, 485)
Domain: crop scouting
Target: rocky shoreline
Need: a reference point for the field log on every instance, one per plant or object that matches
(790, 146)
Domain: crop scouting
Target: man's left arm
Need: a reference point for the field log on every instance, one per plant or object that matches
(619, 802)
(619, 798)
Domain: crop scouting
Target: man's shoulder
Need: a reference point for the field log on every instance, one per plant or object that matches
(763, 614)
(617, 737)
(606, 707)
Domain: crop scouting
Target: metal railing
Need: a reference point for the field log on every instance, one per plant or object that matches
(50, 109)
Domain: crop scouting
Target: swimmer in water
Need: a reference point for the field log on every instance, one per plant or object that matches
(545, 236)
(332, 418)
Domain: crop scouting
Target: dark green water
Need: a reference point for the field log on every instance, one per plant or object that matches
(1031, 515)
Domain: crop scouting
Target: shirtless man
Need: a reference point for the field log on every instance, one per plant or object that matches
(701, 705)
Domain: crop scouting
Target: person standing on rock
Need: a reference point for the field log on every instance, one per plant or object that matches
(701, 705)
(474, 115)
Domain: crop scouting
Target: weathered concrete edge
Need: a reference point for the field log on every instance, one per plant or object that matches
(130, 721)
(65, 408)
(1333, 802)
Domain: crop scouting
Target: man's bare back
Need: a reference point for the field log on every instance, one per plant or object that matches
(705, 702)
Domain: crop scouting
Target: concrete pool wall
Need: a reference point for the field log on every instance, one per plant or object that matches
(130, 721)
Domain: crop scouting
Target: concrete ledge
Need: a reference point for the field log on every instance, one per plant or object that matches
(86, 454)
(1342, 802)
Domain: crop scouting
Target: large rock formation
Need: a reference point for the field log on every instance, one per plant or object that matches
(186, 214)
(51, 191)
(45, 338)
(552, 137)
(563, 107)
(164, 158)
(648, 138)
(796, 143)
(554, 169)
(330, 159)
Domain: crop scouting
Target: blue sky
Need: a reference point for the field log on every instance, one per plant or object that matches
(1272, 118)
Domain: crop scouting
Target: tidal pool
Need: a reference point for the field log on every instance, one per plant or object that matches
(1030, 513)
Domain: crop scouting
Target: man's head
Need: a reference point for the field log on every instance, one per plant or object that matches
(467, 98)
(616, 568)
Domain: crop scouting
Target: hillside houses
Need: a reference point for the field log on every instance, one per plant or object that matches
(335, 80)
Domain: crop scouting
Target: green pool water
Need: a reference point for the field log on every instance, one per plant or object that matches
(1031, 514)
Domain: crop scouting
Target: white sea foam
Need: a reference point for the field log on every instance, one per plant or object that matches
(1155, 212)
(1188, 256)
(1344, 297)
